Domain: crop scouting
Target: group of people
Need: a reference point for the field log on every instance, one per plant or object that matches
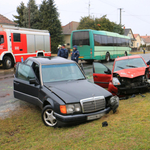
(63, 52)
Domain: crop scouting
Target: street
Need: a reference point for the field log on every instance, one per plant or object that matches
(10, 105)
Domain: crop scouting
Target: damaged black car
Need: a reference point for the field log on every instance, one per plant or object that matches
(59, 87)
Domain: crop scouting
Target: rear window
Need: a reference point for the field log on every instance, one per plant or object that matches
(80, 38)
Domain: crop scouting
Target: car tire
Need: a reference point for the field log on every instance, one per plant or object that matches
(125, 54)
(48, 117)
(107, 58)
(7, 62)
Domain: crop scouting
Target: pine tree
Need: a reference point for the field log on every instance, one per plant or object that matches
(49, 21)
(31, 15)
(19, 19)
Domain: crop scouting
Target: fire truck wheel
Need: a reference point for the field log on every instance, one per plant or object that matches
(7, 64)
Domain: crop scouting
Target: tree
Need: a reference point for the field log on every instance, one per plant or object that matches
(31, 15)
(49, 21)
(100, 24)
(19, 19)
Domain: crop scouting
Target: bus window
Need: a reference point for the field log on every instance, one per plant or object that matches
(81, 38)
(110, 41)
(118, 41)
(97, 40)
(115, 41)
(104, 40)
(123, 42)
(1, 39)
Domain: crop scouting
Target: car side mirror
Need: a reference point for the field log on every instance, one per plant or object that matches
(108, 71)
(33, 81)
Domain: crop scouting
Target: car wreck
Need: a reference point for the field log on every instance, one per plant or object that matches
(59, 87)
(130, 75)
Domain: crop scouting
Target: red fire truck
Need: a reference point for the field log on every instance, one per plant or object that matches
(17, 44)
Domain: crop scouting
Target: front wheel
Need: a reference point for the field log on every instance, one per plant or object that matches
(125, 54)
(48, 117)
(107, 57)
(7, 62)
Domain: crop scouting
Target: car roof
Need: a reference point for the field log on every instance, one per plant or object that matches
(128, 57)
(50, 60)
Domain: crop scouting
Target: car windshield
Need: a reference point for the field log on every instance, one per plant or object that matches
(129, 63)
(61, 72)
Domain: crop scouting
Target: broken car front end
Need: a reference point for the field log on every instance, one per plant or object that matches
(125, 85)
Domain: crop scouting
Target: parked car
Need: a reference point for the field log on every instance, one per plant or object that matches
(60, 88)
(129, 75)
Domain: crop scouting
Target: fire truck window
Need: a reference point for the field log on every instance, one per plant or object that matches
(16, 37)
(1, 39)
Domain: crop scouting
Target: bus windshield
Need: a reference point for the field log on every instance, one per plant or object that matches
(81, 38)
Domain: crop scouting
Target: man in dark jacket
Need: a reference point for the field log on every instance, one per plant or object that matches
(75, 54)
(63, 52)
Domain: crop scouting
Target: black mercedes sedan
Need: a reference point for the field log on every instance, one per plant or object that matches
(59, 87)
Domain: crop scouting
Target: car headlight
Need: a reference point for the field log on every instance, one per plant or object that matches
(115, 81)
(70, 108)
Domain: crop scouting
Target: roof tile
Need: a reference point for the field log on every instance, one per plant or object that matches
(67, 29)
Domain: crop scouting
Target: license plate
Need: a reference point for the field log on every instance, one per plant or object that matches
(97, 116)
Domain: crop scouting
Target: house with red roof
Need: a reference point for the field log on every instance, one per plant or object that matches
(145, 40)
(6, 21)
(67, 29)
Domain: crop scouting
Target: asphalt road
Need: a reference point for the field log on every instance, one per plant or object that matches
(9, 105)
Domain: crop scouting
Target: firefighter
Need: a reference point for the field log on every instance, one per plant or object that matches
(63, 52)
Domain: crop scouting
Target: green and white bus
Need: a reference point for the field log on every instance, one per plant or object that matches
(100, 45)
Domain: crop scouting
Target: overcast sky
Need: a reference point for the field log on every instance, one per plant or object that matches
(135, 13)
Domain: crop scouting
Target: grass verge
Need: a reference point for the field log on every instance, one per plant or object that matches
(129, 128)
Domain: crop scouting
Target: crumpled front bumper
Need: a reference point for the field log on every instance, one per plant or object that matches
(120, 90)
(132, 90)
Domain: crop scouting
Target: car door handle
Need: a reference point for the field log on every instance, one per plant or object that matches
(21, 49)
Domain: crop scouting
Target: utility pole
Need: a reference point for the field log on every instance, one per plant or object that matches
(120, 14)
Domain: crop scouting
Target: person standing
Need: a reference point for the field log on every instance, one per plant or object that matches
(59, 47)
(63, 52)
(75, 54)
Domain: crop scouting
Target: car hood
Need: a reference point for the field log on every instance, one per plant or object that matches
(131, 73)
(74, 91)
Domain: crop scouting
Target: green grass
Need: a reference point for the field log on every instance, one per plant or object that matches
(129, 128)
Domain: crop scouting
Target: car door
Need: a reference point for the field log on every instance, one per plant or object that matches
(101, 74)
(23, 90)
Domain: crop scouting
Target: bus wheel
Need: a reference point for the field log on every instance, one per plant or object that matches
(7, 63)
(107, 57)
(125, 54)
